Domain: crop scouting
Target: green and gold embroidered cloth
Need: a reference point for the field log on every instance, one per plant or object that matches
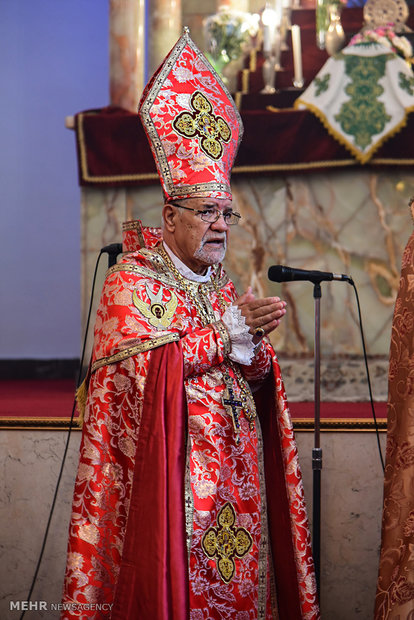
(362, 96)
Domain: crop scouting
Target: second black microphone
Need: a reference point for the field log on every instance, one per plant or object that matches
(281, 273)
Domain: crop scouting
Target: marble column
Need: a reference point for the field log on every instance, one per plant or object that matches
(164, 28)
(126, 52)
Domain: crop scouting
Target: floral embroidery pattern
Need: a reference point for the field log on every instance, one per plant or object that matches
(322, 84)
(406, 83)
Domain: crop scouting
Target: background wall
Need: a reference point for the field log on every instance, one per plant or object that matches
(53, 63)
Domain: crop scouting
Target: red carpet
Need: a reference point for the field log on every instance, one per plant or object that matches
(40, 403)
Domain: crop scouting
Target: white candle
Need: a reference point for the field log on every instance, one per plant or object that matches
(297, 57)
(267, 42)
(268, 20)
(278, 11)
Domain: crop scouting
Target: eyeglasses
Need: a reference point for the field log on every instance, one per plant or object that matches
(211, 215)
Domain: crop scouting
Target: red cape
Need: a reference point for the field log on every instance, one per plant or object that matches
(153, 578)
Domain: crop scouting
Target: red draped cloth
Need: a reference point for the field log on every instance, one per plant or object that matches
(153, 578)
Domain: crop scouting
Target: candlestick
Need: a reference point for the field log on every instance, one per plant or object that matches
(297, 57)
(278, 50)
(269, 74)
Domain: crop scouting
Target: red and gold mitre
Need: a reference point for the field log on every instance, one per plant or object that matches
(192, 124)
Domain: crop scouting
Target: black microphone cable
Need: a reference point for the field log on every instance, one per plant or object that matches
(368, 375)
(278, 273)
(112, 250)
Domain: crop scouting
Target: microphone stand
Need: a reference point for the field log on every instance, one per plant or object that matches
(281, 273)
(317, 450)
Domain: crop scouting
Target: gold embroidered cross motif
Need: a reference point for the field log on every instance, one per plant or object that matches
(159, 314)
(211, 130)
(225, 542)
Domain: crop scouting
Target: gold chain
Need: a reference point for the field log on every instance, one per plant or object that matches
(193, 290)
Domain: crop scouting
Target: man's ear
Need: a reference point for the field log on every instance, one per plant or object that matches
(169, 215)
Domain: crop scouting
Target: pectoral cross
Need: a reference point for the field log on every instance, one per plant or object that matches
(232, 406)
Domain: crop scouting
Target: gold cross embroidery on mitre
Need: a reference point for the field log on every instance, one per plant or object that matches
(210, 129)
(225, 542)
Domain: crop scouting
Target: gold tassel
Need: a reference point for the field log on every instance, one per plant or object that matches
(253, 60)
(245, 81)
(238, 99)
(81, 395)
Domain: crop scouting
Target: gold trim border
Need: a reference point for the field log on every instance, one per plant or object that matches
(224, 335)
(165, 278)
(340, 424)
(363, 157)
(147, 345)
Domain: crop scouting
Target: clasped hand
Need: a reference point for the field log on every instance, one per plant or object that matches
(260, 313)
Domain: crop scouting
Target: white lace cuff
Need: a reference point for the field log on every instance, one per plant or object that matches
(242, 347)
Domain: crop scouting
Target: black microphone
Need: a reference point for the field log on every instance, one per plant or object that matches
(113, 249)
(280, 273)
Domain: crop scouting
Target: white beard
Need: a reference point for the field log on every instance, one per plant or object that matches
(209, 255)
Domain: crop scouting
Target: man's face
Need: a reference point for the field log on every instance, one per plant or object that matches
(196, 242)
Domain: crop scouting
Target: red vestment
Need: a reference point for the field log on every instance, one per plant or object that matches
(395, 587)
(186, 504)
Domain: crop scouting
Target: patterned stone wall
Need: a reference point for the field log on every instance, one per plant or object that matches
(353, 222)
